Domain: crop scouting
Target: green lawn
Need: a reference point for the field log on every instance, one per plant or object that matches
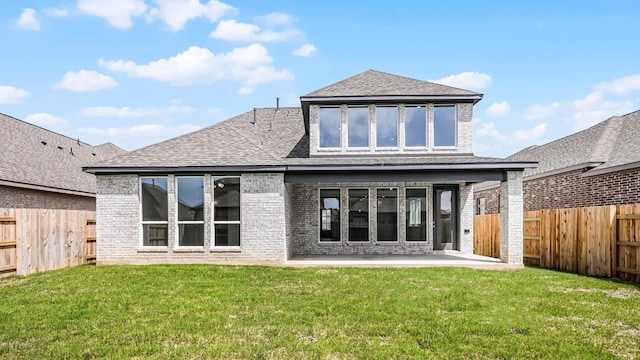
(315, 313)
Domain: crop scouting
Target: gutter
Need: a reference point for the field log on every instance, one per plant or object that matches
(308, 168)
(45, 188)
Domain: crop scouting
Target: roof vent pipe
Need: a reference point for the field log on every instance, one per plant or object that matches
(254, 116)
(277, 103)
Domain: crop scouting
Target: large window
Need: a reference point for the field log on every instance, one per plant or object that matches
(444, 123)
(358, 215)
(415, 126)
(358, 126)
(329, 120)
(386, 126)
(329, 215)
(190, 195)
(226, 211)
(153, 199)
(387, 215)
(416, 214)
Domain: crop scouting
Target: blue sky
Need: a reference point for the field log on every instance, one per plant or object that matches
(135, 72)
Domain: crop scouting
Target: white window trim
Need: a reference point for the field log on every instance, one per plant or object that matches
(455, 135)
(397, 240)
(331, 148)
(388, 148)
(426, 128)
(358, 148)
(427, 206)
(141, 245)
(368, 241)
(179, 222)
(320, 218)
(213, 246)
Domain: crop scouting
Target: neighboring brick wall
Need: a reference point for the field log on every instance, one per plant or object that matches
(571, 189)
(306, 221)
(263, 235)
(12, 197)
(492, 200)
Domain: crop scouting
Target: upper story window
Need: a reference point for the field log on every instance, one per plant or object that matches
(444, 124)
(415, 126)
(387, 126)
(329, 119)
(358, 126)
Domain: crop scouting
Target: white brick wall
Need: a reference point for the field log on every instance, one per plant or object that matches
(511, 208)
(263, 231)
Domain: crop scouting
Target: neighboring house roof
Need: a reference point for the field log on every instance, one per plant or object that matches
(609, 146)
(38, 158)
(377, 83)
(265, 138)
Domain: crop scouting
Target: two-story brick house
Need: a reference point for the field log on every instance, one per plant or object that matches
(373, 164)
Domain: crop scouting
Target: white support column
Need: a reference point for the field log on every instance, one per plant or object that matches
(511, 208)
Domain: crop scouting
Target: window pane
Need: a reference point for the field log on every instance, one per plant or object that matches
(329, 119)
(329, 215)
(227, 235)
(416, 214)
(444, 122)
(387, 126)
(154, 199)
(358, 126)
(191, 234)
(415, 126)
(154, 235)
(358, 215)
(387, 219)
(191, 199)
(226, 199)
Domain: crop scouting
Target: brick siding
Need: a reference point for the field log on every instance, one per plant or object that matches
(571, 189)
(11, 197)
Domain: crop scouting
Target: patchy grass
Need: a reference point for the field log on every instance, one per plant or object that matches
(193, 311)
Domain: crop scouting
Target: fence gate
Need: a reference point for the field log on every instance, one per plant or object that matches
(8, 255)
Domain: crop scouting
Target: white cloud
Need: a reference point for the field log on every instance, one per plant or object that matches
(85, 80)
(56, 12)
(117, 12)
(12, 95)
(466, 80)
(231, 30)
(531, 134)
(539, 111)
(276, 18)
(594, 108)
(621, 85)
(176, 13)
(489, 130)
(245, 90)
(127, 112)
(28, 20)
(499, 109)
(143, 130)
(199, 65)
(305, 50)
(45, 120)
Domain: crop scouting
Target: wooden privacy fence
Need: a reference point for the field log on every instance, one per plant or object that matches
(598, 241)
(34, 240)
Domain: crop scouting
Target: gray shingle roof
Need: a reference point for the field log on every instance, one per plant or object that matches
(611, 143)
(377, 83)
(32, 155)
(276, 138)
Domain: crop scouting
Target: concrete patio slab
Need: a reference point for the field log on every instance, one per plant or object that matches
(435, 260)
